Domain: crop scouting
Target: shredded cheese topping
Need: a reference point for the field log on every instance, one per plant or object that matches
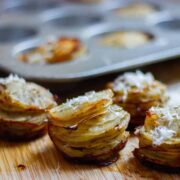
(168, 123)
(131, 80)
(161, 133)
(137, 79)
(166, 114)
(90, 97)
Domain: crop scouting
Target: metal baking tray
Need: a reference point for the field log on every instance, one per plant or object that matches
(22, 29)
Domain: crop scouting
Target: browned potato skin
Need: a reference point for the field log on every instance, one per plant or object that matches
(163, 164)
(103, 159)
(23, 120)
(10, 130)
(21, 131)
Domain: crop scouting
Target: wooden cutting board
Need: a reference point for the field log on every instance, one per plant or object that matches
(39, 159)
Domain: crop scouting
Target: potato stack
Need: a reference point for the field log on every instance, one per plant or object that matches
(23, 108)
(58, 50)
(125, 39)
(89, 128)
(137, 92)
(159, 139)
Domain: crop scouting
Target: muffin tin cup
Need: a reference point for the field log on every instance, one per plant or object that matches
(29, 6)
(89, 24)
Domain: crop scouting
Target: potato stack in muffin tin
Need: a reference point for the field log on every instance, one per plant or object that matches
(63, 49)
(23, 108)
(159, 139)
(136, 93)
(125, 39)
(89, 128)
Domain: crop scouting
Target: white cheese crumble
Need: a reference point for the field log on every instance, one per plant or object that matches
(12, 78)
(91, 96)
(161, 133)
(130, 80)
(137, 79)
(76, 105)
(168, 123)
(166, 114)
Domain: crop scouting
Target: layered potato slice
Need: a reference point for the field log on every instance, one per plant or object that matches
(97, 127)
(17, 95)
(82, 108)
(23, 108)
(96, 138)
(159, 139)
(23, 126)
(136, 93)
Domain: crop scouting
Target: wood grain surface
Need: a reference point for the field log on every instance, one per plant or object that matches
(39, 159)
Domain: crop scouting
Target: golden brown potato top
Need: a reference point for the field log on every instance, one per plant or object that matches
(61, 50)
(125, 39)
(78, 109)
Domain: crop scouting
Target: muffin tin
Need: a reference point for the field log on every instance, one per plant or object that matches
(22, 30)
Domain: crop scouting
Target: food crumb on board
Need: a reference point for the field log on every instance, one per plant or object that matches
(21, 166)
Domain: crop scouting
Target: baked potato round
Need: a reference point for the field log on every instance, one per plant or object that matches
(136, 93)
(61, 50)
(23, 108)
(89, 128)
(159, 138)
(125, 39)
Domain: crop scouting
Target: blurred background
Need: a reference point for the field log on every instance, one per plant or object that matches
(116, 36)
